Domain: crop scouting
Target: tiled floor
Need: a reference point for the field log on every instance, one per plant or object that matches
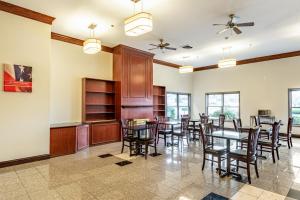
(176, 174)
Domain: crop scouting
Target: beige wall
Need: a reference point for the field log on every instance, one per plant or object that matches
(262, 85)
(24, 117)
(68, 66)
(172, 79)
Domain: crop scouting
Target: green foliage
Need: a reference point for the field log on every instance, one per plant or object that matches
(228, 114)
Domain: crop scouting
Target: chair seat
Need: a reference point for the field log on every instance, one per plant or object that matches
(283, 134)
(167, 131)
(179, 133)
(265, 142)
(216, 150)
(130, 139)
(240, 154)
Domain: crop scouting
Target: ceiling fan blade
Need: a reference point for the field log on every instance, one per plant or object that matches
(219, 24)
(153, 48)
(166, 44)
(171, 48)
(245, 24)
(236, 30)
(222, 31)
(153, 45)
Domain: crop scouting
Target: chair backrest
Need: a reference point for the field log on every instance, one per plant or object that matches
(252, 142)
(221, 120)
(290, 126)
(125, 123)
(237, 125)
(275, 132)
(255, 120)
(185, 116)
(185, 123)
(203, 118)
(163, 119)
(203, 136)
(152, 129)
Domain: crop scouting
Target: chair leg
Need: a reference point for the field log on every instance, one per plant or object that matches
(277, 152)
(155, 150)
(219, 164)
(291, 141)
(203, 163)
(273, 155)
(228, 166)
(130, 149)
(146, 151)
(288, 142)
(248, 173)
(165, 139)
(237, 165)
(256, 170)
(122, 146)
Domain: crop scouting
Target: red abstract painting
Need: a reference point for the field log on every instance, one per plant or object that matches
(17, 78)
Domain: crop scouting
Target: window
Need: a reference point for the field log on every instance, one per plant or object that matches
(227, 103)
(294, 105)
(178, 104)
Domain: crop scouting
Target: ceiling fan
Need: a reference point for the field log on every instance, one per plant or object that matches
(232, 25)
(162, 46)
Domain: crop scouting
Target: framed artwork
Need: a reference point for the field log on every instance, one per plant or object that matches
(17, 78)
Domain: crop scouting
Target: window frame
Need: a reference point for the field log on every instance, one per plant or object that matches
(290, 90)
(177, 102)
(222, 106)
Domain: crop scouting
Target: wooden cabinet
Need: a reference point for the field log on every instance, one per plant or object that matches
(104, 132)
(68, 138)
(134, 70)
(159, 100)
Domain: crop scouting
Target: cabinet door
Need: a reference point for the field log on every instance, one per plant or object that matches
(103, 133)
(137, 78)
(82, 137)
(62, 141)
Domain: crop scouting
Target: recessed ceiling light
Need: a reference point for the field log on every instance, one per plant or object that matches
(187, 46)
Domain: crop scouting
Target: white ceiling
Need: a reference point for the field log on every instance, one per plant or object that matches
(180, 22)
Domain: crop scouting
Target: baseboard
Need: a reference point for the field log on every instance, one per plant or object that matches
(24, 160)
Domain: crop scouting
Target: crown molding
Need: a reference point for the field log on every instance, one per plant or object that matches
(255, 60)
(71, 40)
(24, 12)
(168, 64)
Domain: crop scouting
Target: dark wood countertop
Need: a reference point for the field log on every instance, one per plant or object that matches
(64, 125)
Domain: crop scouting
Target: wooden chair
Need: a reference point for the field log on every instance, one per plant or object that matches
(273, 145)
(209, 148)
(264, 133)
(237, 123)
(248, 156)
(203, 118)
(149, 137)
(220, 124)
(288, 135)
(128, 135)
(183, 132)
(164, 131)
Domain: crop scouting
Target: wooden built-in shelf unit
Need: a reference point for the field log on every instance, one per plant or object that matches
(99, 100)
(159, 100)
(100, 108)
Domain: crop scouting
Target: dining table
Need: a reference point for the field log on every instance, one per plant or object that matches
(171, 124)
(228, 136)
(140, 131)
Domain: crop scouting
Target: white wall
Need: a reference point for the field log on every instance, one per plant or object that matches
(68, 66)
(172, 79)
(24, 117)
(262, 85)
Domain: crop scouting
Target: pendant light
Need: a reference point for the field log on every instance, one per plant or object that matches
(139, 23)
(186, 69)
(92, 45)
(227, 62)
